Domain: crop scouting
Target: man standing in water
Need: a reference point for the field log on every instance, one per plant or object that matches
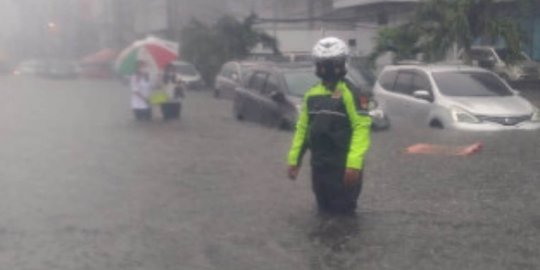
(334, 125)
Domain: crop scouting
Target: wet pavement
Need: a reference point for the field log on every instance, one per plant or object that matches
(85, 187)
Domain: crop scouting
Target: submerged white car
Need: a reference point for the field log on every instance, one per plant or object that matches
(189, 75)
(452, 97)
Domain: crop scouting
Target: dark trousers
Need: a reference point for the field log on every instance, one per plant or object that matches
(170, 110)
(331, 193)
(142, 114)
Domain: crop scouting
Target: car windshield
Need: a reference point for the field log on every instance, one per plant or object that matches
(470, 84)
(186, 70)
(504, 54)
(299, 82)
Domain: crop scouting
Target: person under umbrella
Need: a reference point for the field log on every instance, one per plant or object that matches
(141, 89)
(174, 89)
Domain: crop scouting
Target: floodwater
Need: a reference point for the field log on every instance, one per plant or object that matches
(85, 187)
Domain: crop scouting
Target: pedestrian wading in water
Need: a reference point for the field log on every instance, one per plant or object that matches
(334, 125)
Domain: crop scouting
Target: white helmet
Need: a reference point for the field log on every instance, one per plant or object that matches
(330, 48)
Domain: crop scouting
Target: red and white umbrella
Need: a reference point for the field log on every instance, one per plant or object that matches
(155, 52)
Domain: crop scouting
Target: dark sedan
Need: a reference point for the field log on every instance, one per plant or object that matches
(272, 94)
(230, 77)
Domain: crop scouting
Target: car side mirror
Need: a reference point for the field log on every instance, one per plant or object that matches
(423, 94)
(277, 96)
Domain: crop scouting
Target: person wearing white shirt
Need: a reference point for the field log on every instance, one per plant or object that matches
(141, 89)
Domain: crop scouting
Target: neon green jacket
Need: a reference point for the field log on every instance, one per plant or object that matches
(333, 127)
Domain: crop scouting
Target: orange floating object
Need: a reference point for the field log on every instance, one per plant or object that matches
(433, 149)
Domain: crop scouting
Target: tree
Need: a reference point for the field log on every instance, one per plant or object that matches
(209, 47)
(438, 25)
(399, 40)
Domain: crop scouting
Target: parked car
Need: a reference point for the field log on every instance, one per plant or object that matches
(452, 97)
(189, 75)
(496, 60)
(230, 77)
(62, 69)
(30, 67)
(272, 94)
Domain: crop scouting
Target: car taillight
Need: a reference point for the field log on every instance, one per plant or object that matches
(364, 102)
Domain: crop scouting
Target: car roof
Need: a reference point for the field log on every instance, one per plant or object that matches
(436, 68)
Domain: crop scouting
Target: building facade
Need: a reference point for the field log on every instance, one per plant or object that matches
(123, 21)
(296, 23)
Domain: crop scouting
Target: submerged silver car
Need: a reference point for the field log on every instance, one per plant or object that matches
(453, 97)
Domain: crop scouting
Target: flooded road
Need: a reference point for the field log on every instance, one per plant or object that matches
(85, 187)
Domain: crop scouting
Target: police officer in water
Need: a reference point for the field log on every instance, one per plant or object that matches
(334, 125)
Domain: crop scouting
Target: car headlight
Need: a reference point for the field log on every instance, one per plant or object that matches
(535, 116)
(462, 116)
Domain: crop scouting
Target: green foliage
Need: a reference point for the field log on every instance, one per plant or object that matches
(437, 25)
(209, 47)
(399, 40)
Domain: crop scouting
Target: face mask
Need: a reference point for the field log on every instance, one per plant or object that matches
(331, 72)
